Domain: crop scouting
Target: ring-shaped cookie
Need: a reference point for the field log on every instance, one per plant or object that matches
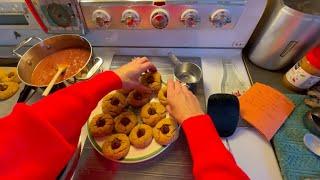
(125, 122)
(141, 136)
(137, 98)
(152, 113)
(8, 89)
(113, 103)
(162, 95)
(151, 80)
(166, 131)
(11, 76)
(116, 146)
(101, 125)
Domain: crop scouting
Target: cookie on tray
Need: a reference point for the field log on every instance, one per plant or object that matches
(116, 146)
(11, 76)
(141, 136)
(152, 113)
(125, 122)
(113, 103)
(166, 131)
(138, 98)
(151, 80)
(162, 95)
(8, 89)
(101, 125)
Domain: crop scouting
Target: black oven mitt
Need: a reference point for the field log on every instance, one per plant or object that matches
(224, 112)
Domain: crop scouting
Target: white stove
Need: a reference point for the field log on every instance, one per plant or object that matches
(215, 31)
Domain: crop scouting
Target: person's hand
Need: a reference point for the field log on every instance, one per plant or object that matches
(130, 73)
(182, 104)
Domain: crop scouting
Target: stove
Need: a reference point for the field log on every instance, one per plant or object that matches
(211, 33)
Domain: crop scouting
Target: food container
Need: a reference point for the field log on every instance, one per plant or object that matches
(305, 73)
(31, 58)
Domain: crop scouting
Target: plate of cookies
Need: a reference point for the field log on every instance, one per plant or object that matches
(133, 126)
(10, 88)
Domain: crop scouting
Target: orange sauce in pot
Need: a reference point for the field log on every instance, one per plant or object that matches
(74, 58)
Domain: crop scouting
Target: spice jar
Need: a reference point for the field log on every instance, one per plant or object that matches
(305, 73)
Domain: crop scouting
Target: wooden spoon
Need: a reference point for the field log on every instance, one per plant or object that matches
(61, 68)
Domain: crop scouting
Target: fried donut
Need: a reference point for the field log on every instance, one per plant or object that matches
(116, 146)
(8, 89)
(162, 95)
(125, 122)
(137, 98)
(166, 131)
(101, 125)
(113, 103)
(151, 80)
(11, 76)
(141, 136)
(152, 113)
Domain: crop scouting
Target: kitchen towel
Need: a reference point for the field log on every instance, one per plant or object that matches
(295, 160)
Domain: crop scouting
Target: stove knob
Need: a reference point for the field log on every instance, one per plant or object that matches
(190, 18)
(159, 18)
(101, 18)
(130, 18)
(220, 18)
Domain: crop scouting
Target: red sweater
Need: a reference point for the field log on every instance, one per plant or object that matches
(37, 141)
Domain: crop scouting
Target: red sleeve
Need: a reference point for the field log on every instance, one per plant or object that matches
(37, 141)
(211, 160)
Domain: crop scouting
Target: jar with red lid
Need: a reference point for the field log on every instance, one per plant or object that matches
(305, 73)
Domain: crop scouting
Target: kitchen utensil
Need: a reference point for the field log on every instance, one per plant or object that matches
(30, 59)
(187, 73)
(312, 121)
(224, 111)
(312, 142)
(61, 68)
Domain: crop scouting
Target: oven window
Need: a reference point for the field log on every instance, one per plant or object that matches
(13, 20)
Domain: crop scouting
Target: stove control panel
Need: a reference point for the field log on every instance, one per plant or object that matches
(155, 14)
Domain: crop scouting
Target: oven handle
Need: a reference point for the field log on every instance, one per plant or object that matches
(23, 43)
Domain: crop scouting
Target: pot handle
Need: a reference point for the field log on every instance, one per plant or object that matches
(174, 59)
(22, 43)
(98, 61)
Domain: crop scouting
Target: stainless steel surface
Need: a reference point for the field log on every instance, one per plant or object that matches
(285, 37)
(173, 10)
(30, 59)
(11, 11)
(22, 44)
(312, 142)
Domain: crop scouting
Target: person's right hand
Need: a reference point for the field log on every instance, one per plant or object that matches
(182, 104)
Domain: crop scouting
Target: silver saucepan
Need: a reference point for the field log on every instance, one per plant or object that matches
(187, 73)
(31, 58)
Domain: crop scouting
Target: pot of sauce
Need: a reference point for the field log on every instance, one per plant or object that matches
(38, 65)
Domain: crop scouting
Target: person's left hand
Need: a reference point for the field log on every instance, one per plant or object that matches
(130, 73)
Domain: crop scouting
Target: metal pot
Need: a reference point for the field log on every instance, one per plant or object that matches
(31, 58)
(187, 73)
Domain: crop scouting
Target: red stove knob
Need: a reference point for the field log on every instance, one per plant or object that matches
(130, 18)
(159, 18)
(190, 18)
